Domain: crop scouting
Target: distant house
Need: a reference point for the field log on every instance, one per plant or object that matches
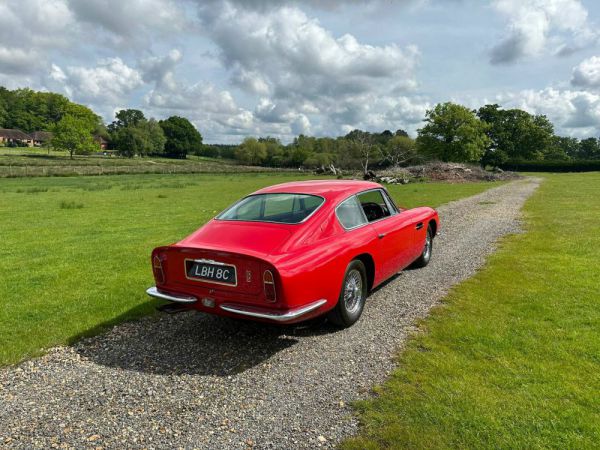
(41, 138)
(14, 136)
(103, 143)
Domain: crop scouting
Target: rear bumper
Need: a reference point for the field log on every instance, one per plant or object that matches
(282, 316)
(278, 316)
(153, 292)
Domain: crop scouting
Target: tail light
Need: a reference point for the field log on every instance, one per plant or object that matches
(157, 269)
(269, 286)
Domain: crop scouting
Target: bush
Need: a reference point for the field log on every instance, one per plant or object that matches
(552, 166)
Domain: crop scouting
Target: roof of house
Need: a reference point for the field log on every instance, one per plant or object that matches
(41, 135)
(13, 133)
(100, 139)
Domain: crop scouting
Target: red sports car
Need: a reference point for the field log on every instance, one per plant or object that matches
(294, 251)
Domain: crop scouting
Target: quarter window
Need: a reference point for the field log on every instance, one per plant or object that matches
(350, 213)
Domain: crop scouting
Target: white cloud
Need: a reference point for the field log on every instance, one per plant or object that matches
(575, 113)
(111, 81)
(307, 78)
(130, 22)
(587, 73)
(537, 26)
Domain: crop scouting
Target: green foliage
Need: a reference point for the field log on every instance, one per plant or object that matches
(453, 133)
(132, 134)
(589, 148)
(251, 151)
(578, 165)
(515, 133)
(399, 149)
(182, 137)
(73, 133)
(126, 118)
(511, 360)
(30, 111)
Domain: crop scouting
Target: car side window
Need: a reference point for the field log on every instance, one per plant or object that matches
(391, 205)
(350, 213)
(374, 205)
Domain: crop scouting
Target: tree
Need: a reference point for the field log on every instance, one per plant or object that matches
(145, 138)
(453, 133)
(589, 148)
(399, 150)
(251, 151)
(126, 118)
(182, 137)
(363, 147)
(516, 134)
(74, 134)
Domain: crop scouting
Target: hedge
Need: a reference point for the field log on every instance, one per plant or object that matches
(552, 166)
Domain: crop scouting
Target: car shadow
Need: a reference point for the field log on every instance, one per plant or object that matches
(194, 343)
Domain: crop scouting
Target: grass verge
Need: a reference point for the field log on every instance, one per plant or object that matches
(75, 251)
(512, 357)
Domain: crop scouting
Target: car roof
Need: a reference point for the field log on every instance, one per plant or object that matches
(330, 189)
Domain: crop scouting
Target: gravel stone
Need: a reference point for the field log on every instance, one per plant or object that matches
(192, 380)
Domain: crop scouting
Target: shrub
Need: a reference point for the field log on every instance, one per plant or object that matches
(552, 166)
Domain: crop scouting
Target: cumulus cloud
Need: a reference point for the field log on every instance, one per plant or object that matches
(536, 26)
(130, 22)
(587, 73)
(575, 113)
(302, 73)
(110, 81)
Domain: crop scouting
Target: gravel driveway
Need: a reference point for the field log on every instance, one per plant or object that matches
(192, 380)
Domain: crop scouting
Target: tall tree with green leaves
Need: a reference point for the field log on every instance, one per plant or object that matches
(251, 151)
(182, 137)
(517, 134)
(74, 134)
(453, 133)
(589, 148)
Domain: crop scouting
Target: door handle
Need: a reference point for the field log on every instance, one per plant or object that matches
(381, 235)
(419, 225)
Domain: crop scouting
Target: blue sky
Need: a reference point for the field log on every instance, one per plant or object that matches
(264, 67)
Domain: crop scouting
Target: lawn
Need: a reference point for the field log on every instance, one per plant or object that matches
(512, 357)
(26, 162)
(75, 251)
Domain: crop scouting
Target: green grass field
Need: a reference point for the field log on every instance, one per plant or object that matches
(28, 162)
(75, 251)
(512, 357)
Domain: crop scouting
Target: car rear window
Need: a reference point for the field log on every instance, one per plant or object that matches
(278, 208)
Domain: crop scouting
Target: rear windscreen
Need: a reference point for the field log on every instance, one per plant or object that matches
(279, 208)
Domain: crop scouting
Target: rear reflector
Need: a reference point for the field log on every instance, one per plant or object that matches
(157, 269)
(269, 286)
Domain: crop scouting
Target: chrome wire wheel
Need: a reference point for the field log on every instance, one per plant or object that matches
(427, 249)
(353, 291)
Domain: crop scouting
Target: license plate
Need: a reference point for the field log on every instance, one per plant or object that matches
(211, 271)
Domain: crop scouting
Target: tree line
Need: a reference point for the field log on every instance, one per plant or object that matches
(490, 136)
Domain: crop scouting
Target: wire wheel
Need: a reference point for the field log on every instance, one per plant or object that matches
(353, 291)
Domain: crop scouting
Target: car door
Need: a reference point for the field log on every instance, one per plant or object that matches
(394, 231)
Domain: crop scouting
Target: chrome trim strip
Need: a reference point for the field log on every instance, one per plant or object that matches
(154, 292)
(283, 317)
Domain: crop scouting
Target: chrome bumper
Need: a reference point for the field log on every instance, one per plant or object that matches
(279, 317)
(243, 310)
(153, 292)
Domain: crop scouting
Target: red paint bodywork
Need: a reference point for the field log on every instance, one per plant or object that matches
(308, 260)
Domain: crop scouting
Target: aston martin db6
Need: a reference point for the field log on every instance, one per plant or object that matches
(294, 251)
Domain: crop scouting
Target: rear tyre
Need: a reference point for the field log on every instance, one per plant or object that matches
(425, 257)
(352, 296)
